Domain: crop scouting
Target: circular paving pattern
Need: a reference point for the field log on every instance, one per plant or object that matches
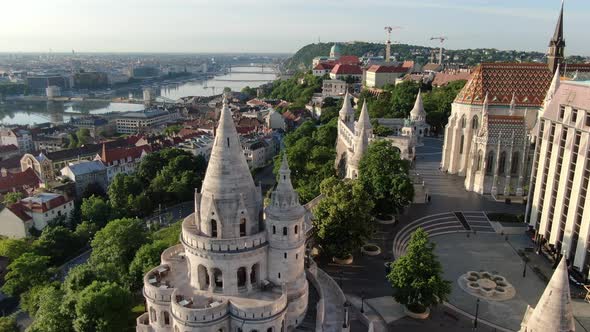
(486, 285)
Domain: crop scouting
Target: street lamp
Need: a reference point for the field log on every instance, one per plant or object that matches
(362, 302)
(476, 314)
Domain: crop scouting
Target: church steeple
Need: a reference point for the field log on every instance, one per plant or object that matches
(346, 113)
(417, 113)
(364, 121)
(556, 52)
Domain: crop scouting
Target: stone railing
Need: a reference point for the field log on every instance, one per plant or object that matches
(189, 313)
(311, 273)
(171, 253)
(253, 312)
(206, 243)
(156, 291)
(143, 323)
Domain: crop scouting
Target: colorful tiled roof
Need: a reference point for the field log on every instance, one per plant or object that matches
(527, 81)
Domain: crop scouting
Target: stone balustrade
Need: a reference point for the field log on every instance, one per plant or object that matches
(192, 309)
(206, 243)
(251, 311)
(172, 253)
(156, 291)
(143, 323)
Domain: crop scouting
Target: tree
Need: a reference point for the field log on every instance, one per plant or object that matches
(146, 258)
(96, 210)
(342, 218)
(13, 248)
(384, 175)
(8, 324)
(171, 130)
(417, 276)
(25, 272)
(57, 242)
(85, 232)
(31, 300)
(12, 197)
(118, 242)
(103, 307)
(50, 316)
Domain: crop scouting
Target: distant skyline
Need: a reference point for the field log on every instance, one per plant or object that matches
(281, 26)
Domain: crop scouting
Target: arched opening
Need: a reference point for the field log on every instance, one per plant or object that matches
(270, 329)
(274, 229)
(213, 228)
(218, 279)
(502, 163)
(241, 277)
(475, 123)
(166, 318)
(254, 274)
(514, 165)
(203, 276)
(285, 232)
(463, 121)
(461, 144)
(243, 227)
(153, 315)
(490, 163)
(296, 229)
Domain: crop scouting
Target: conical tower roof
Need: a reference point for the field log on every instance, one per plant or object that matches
(284, 201)
(364, 121)
(554, 86)
(346, 109)
(228, 179)
(360, 147)
(418, 112)
(554, 310)
(557, 39)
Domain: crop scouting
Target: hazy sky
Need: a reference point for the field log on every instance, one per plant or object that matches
(282, 25)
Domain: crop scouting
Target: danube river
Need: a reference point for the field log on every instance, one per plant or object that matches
(35, 112)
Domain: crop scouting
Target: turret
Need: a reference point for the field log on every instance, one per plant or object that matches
(364, 122)
(346, 113)
(418, 113)
(554, 310)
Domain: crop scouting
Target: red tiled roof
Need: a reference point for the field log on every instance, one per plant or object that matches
(445, 78)
(8, 148)
(341, 69)
(527, 81)
(387, 69)
(573, 67)
(324, 66)
(45, 206)
(108, 156)
(348, 60)
(17, 181)
(408, 64)
(19, 211)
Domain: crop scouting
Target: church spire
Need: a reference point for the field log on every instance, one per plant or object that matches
(556, 52)
(346, 112)
(360, 147)
(364, 121)
(554, 310)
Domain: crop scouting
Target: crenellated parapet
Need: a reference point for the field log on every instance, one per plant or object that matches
(201, 242)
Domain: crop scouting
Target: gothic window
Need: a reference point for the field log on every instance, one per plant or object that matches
(242, 277)
(285, 255)
(218, 278)
(461, 144)
(285, 231)
(254, 274)
(502, 163)
(479, 160)
(490, 163)
(166, 318)
(474, 123)
(213, 228)
(296, 228)
(153, 315)
(514, 166)
(243, 227)
(463, 122)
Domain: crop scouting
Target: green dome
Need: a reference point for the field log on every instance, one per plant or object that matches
(335, 51)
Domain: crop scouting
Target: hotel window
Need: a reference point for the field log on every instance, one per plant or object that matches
(561, 111)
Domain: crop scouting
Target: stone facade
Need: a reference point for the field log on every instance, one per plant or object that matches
(236, 268)
(354, 137)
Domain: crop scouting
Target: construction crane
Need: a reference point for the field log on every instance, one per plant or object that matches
(388, 29)
(442, 40)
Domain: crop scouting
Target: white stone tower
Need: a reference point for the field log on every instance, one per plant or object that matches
(554, 310)
(232, 272)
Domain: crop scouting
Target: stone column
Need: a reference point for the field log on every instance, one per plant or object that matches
(455, 155)
(467, 152)
(497, 166)
(211, 280)
(521, 168)
(508, 169)
(248, 281)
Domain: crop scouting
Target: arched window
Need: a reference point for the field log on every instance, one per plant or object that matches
(213, 228)
(461, 144)
(203, 275)
(241, 277)
(285, 231)
(490, 163)
(254, 274)
(479, 160)
(166, 318)
(274, 229)
(243, 227)
(474, 123)
(153, 315)
(463, 121)
(296, 228)
(502, 163)
(218, 278)
(515, 160)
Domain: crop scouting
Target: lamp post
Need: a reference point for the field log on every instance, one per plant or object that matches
(476, 314)
(362, 302)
